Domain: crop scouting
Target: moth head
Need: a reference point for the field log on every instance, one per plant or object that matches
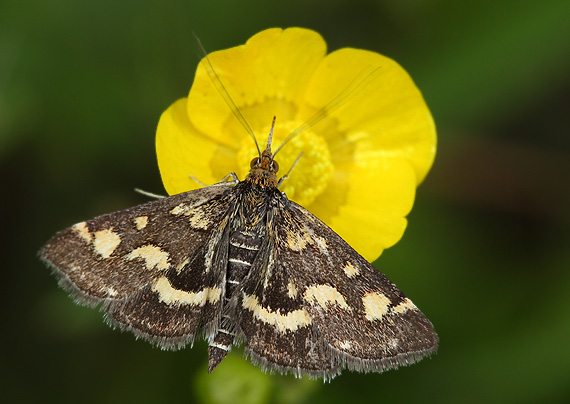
(263, 169)
(265, 162)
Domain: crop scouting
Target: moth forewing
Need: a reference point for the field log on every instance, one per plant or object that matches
(129, 258)
(322, 307)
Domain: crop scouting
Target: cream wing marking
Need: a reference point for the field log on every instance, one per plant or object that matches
(283, 322)
(153, 256)
(350, 270)
(169, 295)
(404, 306)
(325, 296)
(141, 222)
(83, 231)
(375, 305)
(105, 242)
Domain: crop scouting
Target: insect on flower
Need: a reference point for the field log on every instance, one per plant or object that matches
(238, 262)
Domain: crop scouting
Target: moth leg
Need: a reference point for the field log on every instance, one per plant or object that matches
(198, 181)
(286, 176)
(234, 179)
(223, 181)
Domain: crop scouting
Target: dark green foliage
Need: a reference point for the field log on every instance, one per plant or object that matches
(485, 255)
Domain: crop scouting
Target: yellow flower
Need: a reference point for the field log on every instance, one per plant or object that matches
(361, 162)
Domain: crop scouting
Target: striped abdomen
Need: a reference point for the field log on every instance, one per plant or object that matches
(242, 251)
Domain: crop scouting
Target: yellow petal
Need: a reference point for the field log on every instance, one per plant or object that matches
(374, 201)
(387, 114)
(183, 151)
(273, 65)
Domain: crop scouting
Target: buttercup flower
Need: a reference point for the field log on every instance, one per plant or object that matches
(361, 162)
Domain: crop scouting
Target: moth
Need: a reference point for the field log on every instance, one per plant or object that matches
(238, 263)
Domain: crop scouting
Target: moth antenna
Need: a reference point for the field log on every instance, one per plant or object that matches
(224, 92)
(338, 101)
(270, 138)
(286, 176)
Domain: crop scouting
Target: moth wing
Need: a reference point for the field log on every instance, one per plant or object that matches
(278, 331)
(360, 313)
(359, 318)
(153, 267)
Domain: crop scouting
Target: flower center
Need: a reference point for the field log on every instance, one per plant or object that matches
(312, 173)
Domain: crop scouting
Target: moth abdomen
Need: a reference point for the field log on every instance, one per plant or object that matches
(243, 247)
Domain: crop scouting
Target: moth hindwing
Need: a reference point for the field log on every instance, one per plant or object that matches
(240, 263)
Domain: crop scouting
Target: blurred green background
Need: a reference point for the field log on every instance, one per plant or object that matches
(486, 254)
